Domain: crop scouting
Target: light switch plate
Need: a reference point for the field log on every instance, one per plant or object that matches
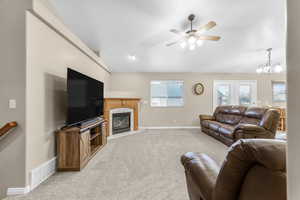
(12, 104)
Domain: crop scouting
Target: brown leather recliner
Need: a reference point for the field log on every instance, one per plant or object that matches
(231, 123)
(254, 169)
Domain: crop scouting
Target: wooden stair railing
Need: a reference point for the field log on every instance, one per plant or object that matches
(7, 127)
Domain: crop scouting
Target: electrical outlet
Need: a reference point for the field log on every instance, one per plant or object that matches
(12, 104)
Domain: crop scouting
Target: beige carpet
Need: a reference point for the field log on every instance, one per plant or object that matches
(144, 166)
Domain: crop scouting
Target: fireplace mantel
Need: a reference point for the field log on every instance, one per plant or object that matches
(114, 103)
(110, 99)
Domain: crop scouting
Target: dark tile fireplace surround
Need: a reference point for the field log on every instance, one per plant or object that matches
(120, 122)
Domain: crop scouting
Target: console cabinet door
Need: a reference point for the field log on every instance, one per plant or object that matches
(68, 149)
(85, 148)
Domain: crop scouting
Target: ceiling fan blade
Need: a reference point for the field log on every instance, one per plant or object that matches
(176, 32)
(171, 43)
(208, 37)
(208, 26)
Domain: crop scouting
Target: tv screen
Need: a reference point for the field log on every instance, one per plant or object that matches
(85, 97)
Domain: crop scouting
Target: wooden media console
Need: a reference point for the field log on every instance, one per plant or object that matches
(77, 145)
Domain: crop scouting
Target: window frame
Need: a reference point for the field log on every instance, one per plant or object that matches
(273, 99)
(164, 80)
(234, 89)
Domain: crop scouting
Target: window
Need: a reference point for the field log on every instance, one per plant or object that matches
(245, 94)
(235, 92)
(279, 91)
(223, 94)
(167, 93)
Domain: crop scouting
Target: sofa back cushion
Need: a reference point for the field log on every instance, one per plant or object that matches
(229, 114)
(253, 115)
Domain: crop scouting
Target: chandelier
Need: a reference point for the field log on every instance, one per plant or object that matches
(269, 68)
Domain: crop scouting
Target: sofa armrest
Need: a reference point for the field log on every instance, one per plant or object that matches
(201, 172)
(206, 117)
(247, 131)
(250, 128)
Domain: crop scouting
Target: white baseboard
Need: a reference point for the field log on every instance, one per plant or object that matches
(42, 173)
(170, 127)
(37, 176)
(18, 191)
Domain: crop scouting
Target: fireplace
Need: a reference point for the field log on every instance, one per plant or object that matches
(122, 105)
(121, 122)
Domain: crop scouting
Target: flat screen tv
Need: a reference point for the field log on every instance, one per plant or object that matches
(85, 98)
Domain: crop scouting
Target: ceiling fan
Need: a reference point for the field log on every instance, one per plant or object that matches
(194, 37)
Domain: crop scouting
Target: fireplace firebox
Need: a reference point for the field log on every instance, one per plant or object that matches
(120, 122)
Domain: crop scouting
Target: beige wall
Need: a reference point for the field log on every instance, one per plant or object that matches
(12, 86)
(137, 85)
(33, 63)
(48, 57)
(293, 49)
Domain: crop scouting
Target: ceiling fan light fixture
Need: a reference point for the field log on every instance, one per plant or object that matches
(192, 47)
(192, 40)
(183, 44)
(193, 37)
(200, 43)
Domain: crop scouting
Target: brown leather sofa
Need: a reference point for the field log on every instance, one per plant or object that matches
(231, 123)
(254, 169)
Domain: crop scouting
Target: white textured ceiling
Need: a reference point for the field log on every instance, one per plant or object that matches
(118, 28)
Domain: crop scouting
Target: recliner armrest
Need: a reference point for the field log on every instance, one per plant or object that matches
(240, 168)
(206, 117)
(203, 171)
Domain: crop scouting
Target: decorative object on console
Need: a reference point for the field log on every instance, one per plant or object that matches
(194, 37)
(199, 89)
(231, 123)
(269, 68)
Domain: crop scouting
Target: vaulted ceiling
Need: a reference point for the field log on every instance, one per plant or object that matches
(118, 28)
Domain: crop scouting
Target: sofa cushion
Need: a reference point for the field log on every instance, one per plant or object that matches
(229, 114)
(236, 110)
(255, 112)
(249, 120)
(228, 118)
(227, 131)
(205, 123)
(214, 125)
